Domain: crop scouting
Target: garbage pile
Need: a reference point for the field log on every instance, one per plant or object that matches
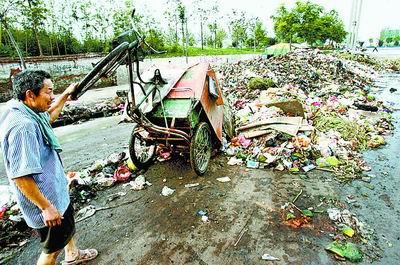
(302, 111)
(77, 111)
(117, 167)
(13, 229)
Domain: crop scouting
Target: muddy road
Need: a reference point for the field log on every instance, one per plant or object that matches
(246, 219)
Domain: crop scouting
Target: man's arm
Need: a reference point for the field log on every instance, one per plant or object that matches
(58, 104)
(29, 188)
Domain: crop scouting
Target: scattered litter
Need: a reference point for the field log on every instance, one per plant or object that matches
(309, 168)
(235, 161)
(204, 215)
(345, 250)
(167, 191)
(139, 183)
(131, 165)
(90, 210)
(201, 212)
(192, 185)
(123, 173)
(269, 257)
(348, 231)
(114, 196)
(252, 164)
(224, 179)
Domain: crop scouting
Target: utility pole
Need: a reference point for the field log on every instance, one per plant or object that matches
(354, 24)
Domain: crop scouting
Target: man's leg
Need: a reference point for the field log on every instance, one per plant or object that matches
(48, 259)
(71, 251)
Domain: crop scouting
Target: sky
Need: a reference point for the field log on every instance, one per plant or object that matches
(375, 15)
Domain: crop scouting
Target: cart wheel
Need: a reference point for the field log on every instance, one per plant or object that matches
(200, 148)
(141, 151)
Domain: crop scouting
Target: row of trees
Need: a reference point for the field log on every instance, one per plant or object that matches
(390, 41)
(308, 22)
(55, 27)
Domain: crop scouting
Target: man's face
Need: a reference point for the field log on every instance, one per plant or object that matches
(43, 100)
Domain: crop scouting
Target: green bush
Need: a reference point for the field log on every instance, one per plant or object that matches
(260, 83)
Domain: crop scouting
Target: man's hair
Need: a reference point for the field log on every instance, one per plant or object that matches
(29, 80)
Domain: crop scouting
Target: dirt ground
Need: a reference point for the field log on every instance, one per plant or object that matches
(245, 215)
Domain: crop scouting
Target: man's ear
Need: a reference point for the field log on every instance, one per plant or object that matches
(29, 94)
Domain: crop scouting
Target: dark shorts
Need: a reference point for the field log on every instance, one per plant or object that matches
(56, 238)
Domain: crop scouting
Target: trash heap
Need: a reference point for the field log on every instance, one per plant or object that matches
(117, 167)
(13, 229)
(78, 111)
(302, 111)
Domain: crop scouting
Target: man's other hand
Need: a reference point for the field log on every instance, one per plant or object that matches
(51, 216)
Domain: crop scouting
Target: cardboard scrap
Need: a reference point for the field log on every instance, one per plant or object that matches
(289, 125)
(292, 107)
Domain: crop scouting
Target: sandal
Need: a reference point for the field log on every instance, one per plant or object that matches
(83, 256)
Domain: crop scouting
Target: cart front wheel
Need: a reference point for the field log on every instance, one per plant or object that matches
(141, 151)
(200, 148)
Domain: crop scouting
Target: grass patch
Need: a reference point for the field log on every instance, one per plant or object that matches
(197, 51)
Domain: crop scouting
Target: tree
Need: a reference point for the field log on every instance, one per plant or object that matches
(260, 34)
(330, 27)
(34, 12)
(238, 26)
(308, 22)
(286, 24)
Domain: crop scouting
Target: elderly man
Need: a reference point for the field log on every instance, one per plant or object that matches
(34, 168)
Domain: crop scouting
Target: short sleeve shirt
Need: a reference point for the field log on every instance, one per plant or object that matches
(26, 154)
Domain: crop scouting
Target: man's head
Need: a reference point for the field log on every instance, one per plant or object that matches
(34, 88)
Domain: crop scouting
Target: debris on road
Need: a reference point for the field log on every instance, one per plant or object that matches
(122, 173)
(192, 185)
(269, 257)
(224, 179)
(90, 210)
(139, 183)
(166, 191)
(345, 250)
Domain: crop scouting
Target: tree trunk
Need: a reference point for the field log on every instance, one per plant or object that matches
(183, 36)
(65, 47)
(58, 47)
(187, 42)
(38, 41)
(1, 30)
(51, 46)
(215, 34)
(176, 30)
(201, 33)
(26, 44)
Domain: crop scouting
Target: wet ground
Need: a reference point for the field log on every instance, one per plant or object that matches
(245, 215)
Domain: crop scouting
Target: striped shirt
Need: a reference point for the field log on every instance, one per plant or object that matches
(26, 154)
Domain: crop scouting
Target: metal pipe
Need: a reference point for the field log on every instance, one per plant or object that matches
(130, 70)
(14, 43)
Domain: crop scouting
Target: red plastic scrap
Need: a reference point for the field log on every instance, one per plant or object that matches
(122, 173)
(3, 210)
(299, 221)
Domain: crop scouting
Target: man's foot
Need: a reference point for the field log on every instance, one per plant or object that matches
(83, 256)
